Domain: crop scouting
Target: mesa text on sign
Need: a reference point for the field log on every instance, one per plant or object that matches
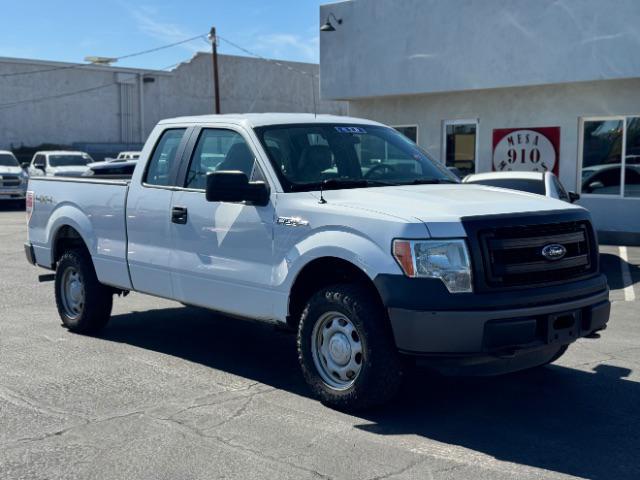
(526, 149)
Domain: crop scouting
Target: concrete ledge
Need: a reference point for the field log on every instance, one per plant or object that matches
(619, 238)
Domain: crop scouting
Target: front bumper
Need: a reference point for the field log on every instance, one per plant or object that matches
(513, 322)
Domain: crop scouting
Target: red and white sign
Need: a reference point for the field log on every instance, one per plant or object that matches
(526, 149)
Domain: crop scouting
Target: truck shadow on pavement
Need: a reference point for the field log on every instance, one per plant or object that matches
(582, 423)
(611, 267)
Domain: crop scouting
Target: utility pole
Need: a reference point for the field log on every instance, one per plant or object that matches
(214, 60)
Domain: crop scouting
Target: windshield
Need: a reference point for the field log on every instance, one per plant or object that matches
(68, 160)
(308, 156)
(7, 160)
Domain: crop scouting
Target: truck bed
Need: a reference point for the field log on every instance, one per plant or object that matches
(95, 208)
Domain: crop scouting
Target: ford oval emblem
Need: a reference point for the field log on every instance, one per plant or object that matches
(553, 251)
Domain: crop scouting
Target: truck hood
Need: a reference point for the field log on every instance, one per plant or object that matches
(10, 170)
(441, 207)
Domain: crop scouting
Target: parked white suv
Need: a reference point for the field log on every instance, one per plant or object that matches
(13, 179)
(59, 163)
(341, 229)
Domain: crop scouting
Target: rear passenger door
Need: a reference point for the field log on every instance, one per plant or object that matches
(149, 216)
(223, 251)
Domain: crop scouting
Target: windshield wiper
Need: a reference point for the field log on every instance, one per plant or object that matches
(330, 184)
(428, 181)
(339, 183)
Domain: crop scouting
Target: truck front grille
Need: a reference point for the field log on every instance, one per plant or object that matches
(508, 253)
(10, 180)
(514, 254)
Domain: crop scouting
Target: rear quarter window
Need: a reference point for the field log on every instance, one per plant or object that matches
(163, 158)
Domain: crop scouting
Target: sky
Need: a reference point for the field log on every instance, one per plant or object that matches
(69, 30)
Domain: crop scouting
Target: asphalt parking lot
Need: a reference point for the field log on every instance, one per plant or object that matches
(168, 392)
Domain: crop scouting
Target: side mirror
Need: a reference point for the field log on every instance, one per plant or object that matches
(234, 186)
(40, 166)
(573, 197)
(24, 165)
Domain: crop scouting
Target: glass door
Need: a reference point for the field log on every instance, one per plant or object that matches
(460, 145)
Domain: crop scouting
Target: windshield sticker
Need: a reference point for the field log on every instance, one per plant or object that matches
(350, 130)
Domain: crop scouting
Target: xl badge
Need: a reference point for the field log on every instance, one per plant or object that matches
(553, 251)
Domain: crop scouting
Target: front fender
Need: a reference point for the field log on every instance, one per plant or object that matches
(346, 245)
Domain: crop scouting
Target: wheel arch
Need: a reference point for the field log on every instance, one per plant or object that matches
(69, 227)
(65, 237)
(322, 272)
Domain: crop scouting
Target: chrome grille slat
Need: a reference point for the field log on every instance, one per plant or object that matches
(10, 180)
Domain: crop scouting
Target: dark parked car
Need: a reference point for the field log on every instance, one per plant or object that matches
(116, 170)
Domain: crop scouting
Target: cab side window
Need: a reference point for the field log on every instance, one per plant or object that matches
(217, 150)
(164, 157)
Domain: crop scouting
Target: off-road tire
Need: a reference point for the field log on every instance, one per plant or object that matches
(98, 298)
(381, 372)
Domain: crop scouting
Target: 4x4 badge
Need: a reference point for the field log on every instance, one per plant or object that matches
(553, 251)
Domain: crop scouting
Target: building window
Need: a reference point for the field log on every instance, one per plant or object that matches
(460, 145)
(409, 131)
(610, 151)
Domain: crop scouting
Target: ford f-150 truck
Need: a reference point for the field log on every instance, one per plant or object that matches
(339, 228)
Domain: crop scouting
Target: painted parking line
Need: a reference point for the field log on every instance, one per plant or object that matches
(627, 282)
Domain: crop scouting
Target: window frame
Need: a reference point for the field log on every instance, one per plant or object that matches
(623, 155)
(192, 145)
(409, 125)
(461, 121)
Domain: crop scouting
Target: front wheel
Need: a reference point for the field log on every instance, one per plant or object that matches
(84, 304)
(346, 349)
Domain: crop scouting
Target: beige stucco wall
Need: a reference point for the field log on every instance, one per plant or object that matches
(541, 106)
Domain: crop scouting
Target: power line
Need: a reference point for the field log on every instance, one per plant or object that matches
(85, 65)
(275, 62)
(144, 52)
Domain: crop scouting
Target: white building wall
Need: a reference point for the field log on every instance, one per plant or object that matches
(540, 106)
(113, 113)
(400, 47)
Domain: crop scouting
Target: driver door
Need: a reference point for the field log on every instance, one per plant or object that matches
(223, 251)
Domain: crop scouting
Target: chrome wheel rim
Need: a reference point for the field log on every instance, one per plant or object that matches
(72, 293)
(336, 347)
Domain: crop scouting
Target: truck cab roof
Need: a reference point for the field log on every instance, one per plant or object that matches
(261, 119)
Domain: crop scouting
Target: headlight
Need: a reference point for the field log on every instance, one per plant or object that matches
(447, 260)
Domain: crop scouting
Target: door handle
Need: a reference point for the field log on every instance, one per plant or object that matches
(179, 215)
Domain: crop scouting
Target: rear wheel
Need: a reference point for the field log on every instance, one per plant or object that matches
(84, 304)
(346, 349)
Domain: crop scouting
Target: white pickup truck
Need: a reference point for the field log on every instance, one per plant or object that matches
(339, 228)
